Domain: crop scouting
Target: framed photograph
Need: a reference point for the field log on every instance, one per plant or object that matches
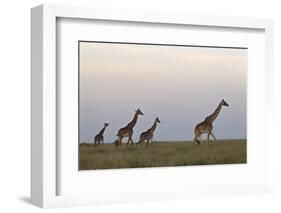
(149, 106)
(110, 86)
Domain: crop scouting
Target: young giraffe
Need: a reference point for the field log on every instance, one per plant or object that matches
(148, 134)
(127, 131)
(99, 137)
(206, 126)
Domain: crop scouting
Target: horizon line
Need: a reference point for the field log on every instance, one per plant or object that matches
(178, 141)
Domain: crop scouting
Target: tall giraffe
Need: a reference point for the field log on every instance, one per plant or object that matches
(99, 137)
(206, 126)
(127, 131)
(148, 134)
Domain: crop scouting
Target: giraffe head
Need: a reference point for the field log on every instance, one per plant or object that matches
(224, 103)
(157, 120)
(106, 124)
(139, 112)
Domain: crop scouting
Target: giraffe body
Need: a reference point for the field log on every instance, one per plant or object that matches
(99, 138)
(148, 134)
(206, 126)
(128, 130)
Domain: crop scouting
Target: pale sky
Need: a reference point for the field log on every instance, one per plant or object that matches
(179, 84)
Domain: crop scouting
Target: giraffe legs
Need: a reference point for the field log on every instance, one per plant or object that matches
(196, 139)
(208, 139)
(200, 138)
(119, 142)
(147, 142)
(140, 141)
(130, 139)
(116, 142)
(213, 136)
(151, 139)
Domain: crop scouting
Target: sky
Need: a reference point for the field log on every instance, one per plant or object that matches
(180, 85)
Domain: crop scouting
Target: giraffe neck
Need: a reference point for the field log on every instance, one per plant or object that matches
(133, 122)
(215, 114)
(102, 131)
(152, 129)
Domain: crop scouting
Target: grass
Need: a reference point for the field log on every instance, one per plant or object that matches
(161, 154)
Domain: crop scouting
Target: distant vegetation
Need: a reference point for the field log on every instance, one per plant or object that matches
(161, 154)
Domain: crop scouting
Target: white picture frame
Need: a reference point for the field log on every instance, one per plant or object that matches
(44, 154)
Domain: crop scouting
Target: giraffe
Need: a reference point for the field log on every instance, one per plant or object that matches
(127, 131)
(206, 126)
(148, 134)
(99, 137)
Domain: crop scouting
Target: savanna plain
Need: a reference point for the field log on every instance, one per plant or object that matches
(160, 154)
